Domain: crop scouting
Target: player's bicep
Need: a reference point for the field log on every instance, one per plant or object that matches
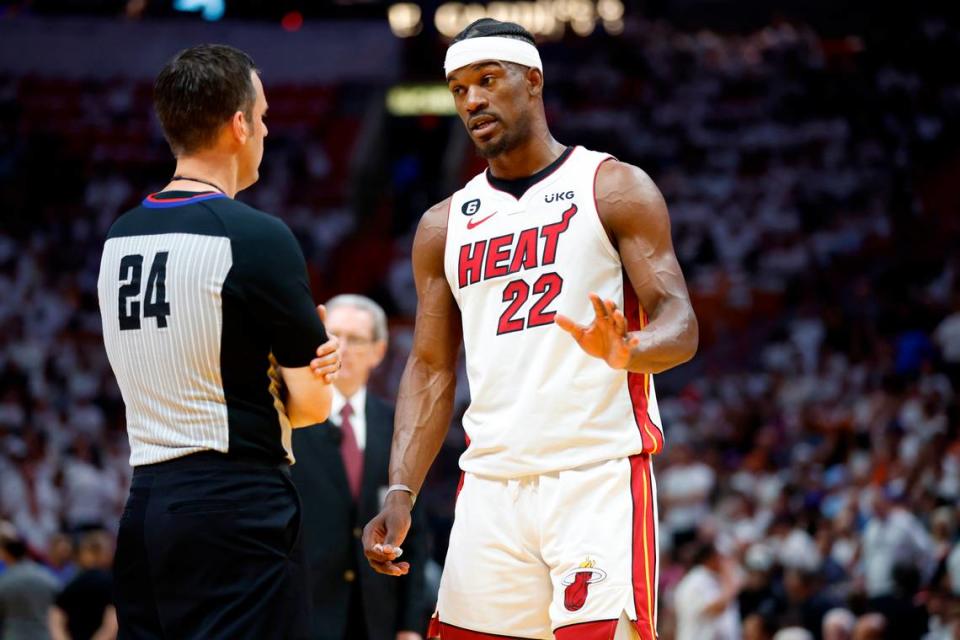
(436, 339)
(634, 211)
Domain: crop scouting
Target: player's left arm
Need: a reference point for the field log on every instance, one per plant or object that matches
(635, 217)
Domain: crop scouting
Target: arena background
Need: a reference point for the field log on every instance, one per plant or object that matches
(809, 152)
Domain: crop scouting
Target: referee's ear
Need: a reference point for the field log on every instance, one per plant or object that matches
(240, 128)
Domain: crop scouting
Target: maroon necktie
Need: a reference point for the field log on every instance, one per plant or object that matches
(350, 451)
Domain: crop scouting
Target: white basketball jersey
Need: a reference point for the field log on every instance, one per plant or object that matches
(538, 402)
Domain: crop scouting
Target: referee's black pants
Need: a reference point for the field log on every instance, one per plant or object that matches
(209, 548)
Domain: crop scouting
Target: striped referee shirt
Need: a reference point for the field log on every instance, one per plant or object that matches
(196, 289)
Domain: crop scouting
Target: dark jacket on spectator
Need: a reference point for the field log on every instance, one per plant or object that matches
(332, 527)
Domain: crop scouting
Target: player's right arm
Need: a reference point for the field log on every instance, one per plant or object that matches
(425, 399)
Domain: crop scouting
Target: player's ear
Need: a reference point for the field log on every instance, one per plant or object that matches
(534, 81)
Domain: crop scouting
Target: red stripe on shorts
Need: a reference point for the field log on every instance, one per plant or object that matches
(597, 630)
(450, 632)
(644, 546)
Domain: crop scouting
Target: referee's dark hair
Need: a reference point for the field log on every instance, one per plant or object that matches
(199, 90)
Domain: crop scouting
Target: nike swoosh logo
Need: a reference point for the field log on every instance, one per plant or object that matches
(473, 223)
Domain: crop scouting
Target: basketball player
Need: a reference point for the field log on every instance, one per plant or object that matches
(196, 292)
(557, 267)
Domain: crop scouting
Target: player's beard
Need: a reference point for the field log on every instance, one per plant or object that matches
(509, 140)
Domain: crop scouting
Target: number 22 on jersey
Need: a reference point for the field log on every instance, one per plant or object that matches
(516, 292)
(512, 253)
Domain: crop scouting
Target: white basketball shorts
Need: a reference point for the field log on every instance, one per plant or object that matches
(562, 555)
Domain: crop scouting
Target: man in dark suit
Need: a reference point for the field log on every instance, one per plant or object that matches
(341, 473)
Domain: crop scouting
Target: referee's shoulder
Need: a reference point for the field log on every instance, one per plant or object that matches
(257, 238)
(240, 218)
(127, 223)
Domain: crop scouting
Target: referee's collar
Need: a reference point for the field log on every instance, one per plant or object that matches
(169, 199)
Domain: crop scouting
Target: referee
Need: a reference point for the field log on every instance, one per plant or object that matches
(196, 291)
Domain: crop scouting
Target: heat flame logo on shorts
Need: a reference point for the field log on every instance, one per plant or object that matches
(577, 583)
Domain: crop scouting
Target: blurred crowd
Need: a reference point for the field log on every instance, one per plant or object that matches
(811, 481)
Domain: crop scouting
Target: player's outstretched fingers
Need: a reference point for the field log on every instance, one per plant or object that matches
(568, 325)
(619, 322)
(599, 309)
(322, 312)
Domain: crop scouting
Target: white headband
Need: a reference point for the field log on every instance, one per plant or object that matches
(465, 52)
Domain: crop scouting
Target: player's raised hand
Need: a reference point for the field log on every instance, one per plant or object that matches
(327, 362)
(606, 337)
(384, 534)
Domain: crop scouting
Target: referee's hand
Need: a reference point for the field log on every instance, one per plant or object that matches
(327, 363)
(384, 534)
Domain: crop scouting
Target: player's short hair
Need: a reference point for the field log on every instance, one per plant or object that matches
(199, 90)
(487, 27)
(364, 303)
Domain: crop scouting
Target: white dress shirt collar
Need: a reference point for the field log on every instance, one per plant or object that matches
(358, 402)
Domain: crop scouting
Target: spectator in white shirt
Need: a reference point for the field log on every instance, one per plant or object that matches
(90, 492)
(947, 337)
(893, 536)
(684, 489)
(953, 570)
(706, 598)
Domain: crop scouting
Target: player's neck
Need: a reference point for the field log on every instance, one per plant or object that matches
(524, 160)
(207, 169)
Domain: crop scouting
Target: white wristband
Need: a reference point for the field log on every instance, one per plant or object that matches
(402, 487)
